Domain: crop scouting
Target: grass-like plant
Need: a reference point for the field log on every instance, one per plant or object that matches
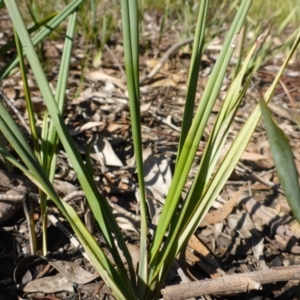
(284, 158)
(179, 217)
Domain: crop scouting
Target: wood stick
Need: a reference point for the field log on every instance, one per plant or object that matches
(236, 283)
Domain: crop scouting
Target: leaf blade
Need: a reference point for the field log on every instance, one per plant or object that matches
(284, 160)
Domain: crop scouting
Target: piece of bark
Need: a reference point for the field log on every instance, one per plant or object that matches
(10, 204)
(231, 284)
(206, 260)
(19, 183)
(272, 220)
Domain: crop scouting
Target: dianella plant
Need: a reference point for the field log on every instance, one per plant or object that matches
(180, 216)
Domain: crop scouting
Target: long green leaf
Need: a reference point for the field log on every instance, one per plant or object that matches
(98, 204)
(198, 198)
(131, 53)
(52, 137)
(208, 161)
(29, 105)
(192, 141)
(37, 175)
(43, 33)
(193, 74)
(106, 269)
(284, 161)
(11, 44)
(35, 140)
(232, 156)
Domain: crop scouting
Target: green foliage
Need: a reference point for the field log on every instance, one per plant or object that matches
(281, 151)
(284, 161)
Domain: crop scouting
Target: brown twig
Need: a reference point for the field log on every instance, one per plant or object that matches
(13, 108)
(165, 58)
(237, 283)
(116, 61)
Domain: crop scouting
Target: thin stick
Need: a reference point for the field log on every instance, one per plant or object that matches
(165, 58)
(12, 107)
(231, 284)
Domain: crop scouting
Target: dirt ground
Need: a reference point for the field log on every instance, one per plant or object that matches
(243, 233)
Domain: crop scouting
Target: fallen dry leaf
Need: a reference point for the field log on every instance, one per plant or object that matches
(222, 213)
